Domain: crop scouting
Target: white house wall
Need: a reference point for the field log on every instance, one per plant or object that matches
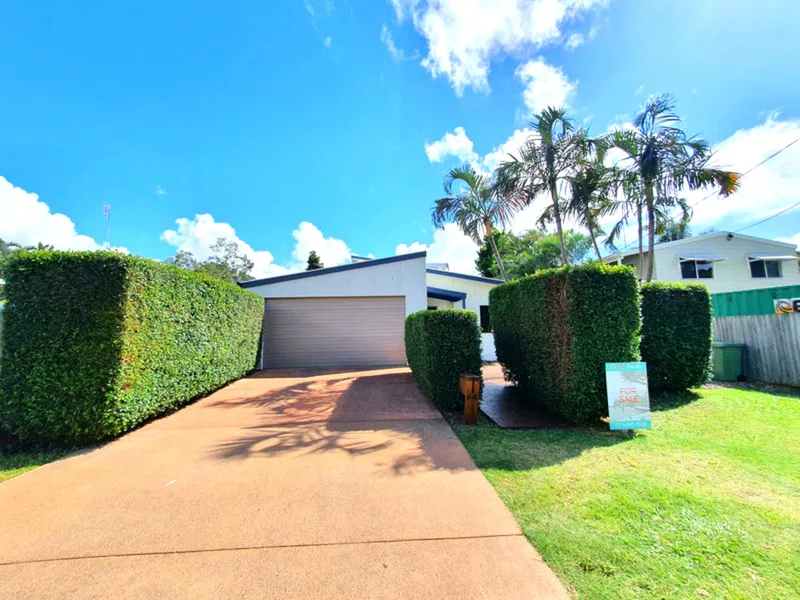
(477, 295)
(401, 278)
(732, 274)
(443, 304)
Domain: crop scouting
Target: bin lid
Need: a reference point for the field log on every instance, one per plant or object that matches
(728, 345)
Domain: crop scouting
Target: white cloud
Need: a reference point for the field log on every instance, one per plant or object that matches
(398, 54)
(327, 41)
(464, 37)
(160, 191)
(795, 239)
(508, 148)
(459, 146)
(767, 189)
(308, 237)
(198, 234)
(452, 144)
(28, 221)
(573, 41)
(545, 85)
(449, 245)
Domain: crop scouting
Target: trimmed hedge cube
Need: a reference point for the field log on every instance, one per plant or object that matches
(95, 343)
(677, 334)
(555, 330)
(440, 346)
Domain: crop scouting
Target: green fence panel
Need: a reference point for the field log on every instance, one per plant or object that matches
(751, 302)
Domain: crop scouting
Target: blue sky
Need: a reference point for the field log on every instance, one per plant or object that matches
(328, 124)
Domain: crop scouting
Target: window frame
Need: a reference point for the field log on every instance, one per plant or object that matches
(766, 275)
(695, 262)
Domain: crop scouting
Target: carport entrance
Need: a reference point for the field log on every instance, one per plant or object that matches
(334, 332)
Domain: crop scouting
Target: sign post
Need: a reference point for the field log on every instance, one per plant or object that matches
(628, 396)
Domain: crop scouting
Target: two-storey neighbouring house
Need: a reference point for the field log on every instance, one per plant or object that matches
(724, 261)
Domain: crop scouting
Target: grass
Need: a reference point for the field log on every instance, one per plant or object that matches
(704, 505)
(17, 463)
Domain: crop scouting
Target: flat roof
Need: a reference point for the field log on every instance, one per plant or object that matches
(328, 270)
(441, 294)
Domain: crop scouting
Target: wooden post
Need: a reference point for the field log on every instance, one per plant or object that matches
(471, 388)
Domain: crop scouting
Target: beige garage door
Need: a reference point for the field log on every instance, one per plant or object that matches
(334, 332)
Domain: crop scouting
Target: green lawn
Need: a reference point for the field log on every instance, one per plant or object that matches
(16, 463)
(705, 505)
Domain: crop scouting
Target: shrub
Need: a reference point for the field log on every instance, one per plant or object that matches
(555, 330)
(676, 334)
(440, 346)
(95, 343)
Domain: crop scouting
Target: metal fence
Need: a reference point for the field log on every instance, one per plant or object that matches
(773, 345)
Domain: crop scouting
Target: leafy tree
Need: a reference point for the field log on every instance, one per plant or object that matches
(486, 263)
(532, 251)
(184, 260)
(475, 207)
(543, 164)
(543, 250)
(227, 262)
(665, 161)
(672, 231)
(314, 261)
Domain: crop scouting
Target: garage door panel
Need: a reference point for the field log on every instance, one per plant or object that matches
(332, 332)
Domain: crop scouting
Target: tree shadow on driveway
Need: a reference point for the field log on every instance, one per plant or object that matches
(358, 414)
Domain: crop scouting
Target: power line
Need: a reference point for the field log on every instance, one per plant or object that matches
(787, 209)
(750, 170)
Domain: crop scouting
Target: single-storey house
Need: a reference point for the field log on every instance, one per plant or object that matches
(354, 314)
(722, 260)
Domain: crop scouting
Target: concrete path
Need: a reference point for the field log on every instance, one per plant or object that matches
(287, 484)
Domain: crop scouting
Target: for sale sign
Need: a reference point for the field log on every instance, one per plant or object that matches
(628, 397)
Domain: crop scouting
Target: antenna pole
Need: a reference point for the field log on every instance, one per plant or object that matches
(107, 215)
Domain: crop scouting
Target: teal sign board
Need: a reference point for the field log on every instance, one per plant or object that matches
(628, 397)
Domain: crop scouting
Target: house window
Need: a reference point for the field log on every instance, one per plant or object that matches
(765, 268)
(486, 324)
(432, 307)
(697, 269)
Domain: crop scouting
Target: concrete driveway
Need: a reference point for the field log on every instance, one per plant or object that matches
(283, 484)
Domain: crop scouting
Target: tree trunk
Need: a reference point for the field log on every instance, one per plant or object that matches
(497, 258)
(594, 239)
(640, 270)
(651, 230)
(559, 228)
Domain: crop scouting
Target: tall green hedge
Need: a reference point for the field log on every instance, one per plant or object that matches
(677, 334)
(440, 346)
(94, 343)
(555, 330)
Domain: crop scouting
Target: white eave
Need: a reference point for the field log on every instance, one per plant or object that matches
(700, 256)
(752, 257)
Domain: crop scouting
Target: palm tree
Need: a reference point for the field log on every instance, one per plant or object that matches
(665, 161)
(591, 187)
(545, 160)
(475, 207)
